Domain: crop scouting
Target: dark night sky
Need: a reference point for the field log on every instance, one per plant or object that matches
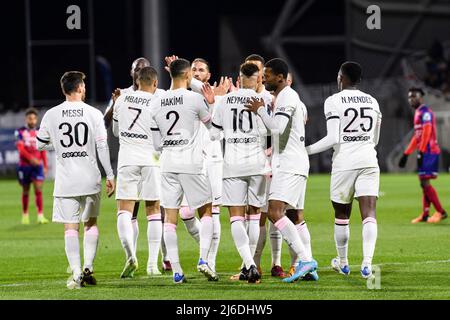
(193, 31)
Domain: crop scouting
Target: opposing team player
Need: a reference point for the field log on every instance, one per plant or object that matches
(245, 164)
(77, 133)
(32, 165)
(138, 176)
(290, 163)
(177, 116)
(353, 129)
(425, 141)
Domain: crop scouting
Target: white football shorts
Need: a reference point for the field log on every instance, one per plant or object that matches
(346, 185)
(76, 209)
(289, 188)
(138, 183)
(242, 191)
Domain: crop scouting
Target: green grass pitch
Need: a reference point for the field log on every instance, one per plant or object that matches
(413, 259)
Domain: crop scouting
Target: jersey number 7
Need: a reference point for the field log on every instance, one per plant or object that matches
(139, 111)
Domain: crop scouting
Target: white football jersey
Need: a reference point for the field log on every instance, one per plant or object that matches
(244, 134)
(358, 113)
(133, 117)
(73, 128)
(178, 114)
(289, 152)
(130, 89)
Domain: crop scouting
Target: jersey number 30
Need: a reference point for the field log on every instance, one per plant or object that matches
(77, 134)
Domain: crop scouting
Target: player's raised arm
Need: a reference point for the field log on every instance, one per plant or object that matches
(277, 123)
(217, 125)
(333, 124)
(115, 118)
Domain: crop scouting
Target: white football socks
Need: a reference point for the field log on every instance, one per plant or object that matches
(72, 246)
(191, 223)
(125, 230)
(341, 237)
(171, 240)
(369, 237)
(276, 241)
(303, 232)
(154, 234)
(241, 240)
(90, 244)
(215, 239)
(253, 232)
(290, 234)
(135, 225)
(206, 233)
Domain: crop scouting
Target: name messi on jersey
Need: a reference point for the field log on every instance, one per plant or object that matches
(360, 99)
(138, 100)
(72, 113)
(171, 101)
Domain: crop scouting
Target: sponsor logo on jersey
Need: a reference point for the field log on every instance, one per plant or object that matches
(355, 139)
(78, 154)
(134, 135)
(173, 143)
(242, 140)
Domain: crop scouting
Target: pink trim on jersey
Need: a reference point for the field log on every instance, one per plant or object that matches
(71, 233)
(186, 213)
(124, 212)
(216, 209)
(254, 216)
(369, 219)
(170, 227)
(152, 217)
(341, 221)
(101, 139)
(282, 223)
(236, 218)
(247, 217)
(206, 119)
(93, 231)
(206, 219)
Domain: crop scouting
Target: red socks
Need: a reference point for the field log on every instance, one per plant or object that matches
(431, 194)
(25, 203)
(39, 202)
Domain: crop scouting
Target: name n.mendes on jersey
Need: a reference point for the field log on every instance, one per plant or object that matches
(356, 99)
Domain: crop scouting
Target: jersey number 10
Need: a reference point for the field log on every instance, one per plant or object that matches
(240, 123)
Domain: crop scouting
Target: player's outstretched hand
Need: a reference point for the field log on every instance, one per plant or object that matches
(255, 104)
(208, 93)
(115, 95)
(222, 88)
(402, 162)
(234, 87)
(169, 60)
(110, 187)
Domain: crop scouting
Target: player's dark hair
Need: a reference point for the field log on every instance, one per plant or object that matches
(31, 111)
(417, 89)
(202, 61)
(352, 70)
(255, 57)
(147, 75)
(248, 69)
(71, 80)
(278, 66)
(178, 67)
